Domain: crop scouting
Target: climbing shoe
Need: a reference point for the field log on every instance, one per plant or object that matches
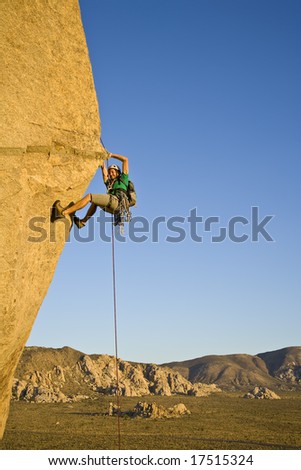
(78, 222)
(57, 211)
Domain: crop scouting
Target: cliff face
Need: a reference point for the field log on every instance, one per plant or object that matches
(50, 150)
(48, 86)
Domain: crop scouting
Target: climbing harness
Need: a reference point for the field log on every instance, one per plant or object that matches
(123, 213)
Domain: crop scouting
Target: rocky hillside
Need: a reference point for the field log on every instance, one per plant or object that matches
(277, 369)
(60, 375)
(284, 364)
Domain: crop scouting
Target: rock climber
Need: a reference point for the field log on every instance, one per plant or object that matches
(116, 181)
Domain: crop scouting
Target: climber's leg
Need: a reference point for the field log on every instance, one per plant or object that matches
(78, 205)
(91, 211)
(107, 202)
(80, 223)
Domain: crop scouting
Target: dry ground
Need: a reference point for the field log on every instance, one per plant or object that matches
(220, 421)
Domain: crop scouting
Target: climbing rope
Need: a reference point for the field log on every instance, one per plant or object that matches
(108, 153)
(116, 337)
(115, 324)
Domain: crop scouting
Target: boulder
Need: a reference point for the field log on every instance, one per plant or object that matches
(154, 411)
(203, 390)
(150, 411)
(262, 393)
(50, 150)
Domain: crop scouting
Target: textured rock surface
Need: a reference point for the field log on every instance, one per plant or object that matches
(151, 411)
(51, 375)
(48, 91)
(49, 139)
(262, 393)
(284, 364)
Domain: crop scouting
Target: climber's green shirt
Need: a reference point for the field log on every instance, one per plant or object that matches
(119, 183)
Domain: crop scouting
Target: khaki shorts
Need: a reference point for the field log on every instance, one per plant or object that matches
(107, 202)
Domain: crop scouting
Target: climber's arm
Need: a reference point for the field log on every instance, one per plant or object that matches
(104, 172)
(124, 160)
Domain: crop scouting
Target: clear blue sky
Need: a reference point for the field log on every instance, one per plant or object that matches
(203, 96)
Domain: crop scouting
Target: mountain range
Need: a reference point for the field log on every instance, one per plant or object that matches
(65, 374)
(274, 369)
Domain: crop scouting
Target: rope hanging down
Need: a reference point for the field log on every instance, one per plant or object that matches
(116, 338)
(115, 324)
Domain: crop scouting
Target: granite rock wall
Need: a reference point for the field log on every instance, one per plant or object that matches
(49, 149)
